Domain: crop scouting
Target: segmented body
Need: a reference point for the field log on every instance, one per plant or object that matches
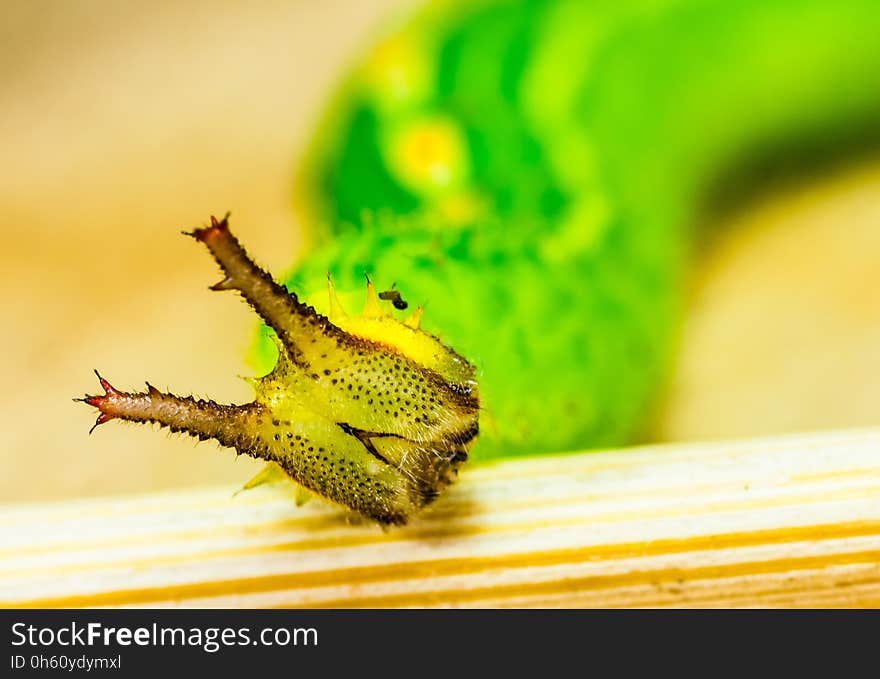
(533, 172)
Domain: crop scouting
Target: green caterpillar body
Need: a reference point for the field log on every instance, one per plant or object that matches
(533, 172)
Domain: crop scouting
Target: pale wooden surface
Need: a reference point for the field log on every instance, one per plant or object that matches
(778, 522)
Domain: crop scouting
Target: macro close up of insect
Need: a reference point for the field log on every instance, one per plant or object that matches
(544, 303)
(369, 412)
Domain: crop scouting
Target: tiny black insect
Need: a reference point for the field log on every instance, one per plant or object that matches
(396, 299)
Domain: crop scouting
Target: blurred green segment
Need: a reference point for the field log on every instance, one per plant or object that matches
(531, 172)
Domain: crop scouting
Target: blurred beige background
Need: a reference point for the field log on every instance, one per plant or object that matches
(122, 123)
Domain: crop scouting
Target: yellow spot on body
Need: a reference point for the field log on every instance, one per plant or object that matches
(428, 155)
(397, 73)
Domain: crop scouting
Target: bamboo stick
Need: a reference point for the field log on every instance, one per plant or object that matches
(791, 521)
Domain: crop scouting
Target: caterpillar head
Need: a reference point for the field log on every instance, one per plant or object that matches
(365, 410)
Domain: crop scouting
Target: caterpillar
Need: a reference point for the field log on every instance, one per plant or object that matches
(533, 173)
(364, 410)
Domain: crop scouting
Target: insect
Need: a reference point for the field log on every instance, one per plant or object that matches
(367, 411)
(537, 170)
(394, 297)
